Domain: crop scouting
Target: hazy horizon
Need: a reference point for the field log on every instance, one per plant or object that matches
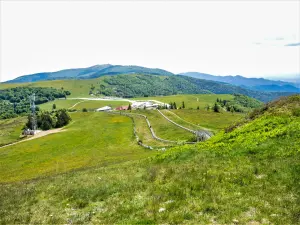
(249, 38)
(294, 78)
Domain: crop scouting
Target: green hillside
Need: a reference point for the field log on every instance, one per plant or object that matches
(60, 104)
(90, 72)
(191, 101)
(142, 85)
(11, 129)
(78, 88)
(16, 101)
(205, 119)
(249, 175)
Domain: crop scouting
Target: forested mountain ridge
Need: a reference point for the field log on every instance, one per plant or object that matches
(141, 85)
(89, 73)
(259, 84)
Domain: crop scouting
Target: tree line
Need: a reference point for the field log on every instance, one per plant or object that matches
(15, 101)
(142, 85)
(46, 120)
(240, 103)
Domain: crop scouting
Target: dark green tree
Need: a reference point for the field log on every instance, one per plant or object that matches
(216, 108)
(63, 118)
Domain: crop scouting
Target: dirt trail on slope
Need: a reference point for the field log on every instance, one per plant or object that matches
(38, 135)
(77, 104)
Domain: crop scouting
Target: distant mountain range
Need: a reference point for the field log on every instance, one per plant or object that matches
(259, 84)
(89, 73)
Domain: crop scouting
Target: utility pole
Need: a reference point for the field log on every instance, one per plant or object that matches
(33, 115)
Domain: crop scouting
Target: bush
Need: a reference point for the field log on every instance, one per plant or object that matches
(216, 108)
(84, 110)
(296, 112)
(63, 118)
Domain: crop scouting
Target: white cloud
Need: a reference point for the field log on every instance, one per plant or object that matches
(212, 37)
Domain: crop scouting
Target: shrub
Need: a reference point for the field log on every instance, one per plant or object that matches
(296, 112)
(216, 108)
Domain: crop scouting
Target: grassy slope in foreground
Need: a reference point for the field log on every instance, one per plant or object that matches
(85, 143)
(10, 130)
(247, 176)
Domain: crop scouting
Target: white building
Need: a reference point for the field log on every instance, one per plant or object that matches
(142, 105)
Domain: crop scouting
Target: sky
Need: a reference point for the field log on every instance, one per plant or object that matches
(249, 38)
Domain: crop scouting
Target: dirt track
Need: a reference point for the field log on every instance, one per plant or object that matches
(38, 135)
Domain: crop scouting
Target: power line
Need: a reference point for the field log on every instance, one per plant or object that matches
(33, 114)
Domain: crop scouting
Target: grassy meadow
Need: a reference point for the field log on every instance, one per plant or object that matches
(80, 104)
(94, 172)
(191, 101)
(60, 104)
(208, 119)
(11, 129)
(249, 175)
(144, 133)
(78, 88)
(92, 139)
(164, 129)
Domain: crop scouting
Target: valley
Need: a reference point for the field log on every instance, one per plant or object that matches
(146, 162)
(94, 172)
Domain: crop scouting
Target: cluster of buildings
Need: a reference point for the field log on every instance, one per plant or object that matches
(134, 105)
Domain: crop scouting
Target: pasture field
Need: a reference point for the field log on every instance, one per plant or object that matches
(174, 117)
(60, 104)
(191, 101)
(78, 88)
(144, 133)
(11, 129)
(80, 104)
(91, 139)
(208, 119)
(164, 129)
